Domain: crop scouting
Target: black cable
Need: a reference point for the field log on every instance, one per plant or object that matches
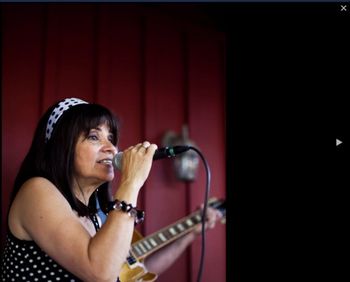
(204, 212)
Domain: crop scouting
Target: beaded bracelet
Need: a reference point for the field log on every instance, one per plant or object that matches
(138, 215)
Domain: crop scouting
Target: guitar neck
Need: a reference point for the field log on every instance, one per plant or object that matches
(166, 235)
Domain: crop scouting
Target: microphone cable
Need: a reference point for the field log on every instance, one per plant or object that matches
(204, 212)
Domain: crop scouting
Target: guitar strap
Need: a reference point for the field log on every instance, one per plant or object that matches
(94, 220)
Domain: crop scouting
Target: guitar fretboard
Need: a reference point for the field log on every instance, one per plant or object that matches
(159, 239)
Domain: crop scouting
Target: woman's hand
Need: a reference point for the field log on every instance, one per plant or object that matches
(137, 163)
(212, 217)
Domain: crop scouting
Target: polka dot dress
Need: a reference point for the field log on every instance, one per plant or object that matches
(25, 261)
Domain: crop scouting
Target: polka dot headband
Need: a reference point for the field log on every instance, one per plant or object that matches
(57, 113)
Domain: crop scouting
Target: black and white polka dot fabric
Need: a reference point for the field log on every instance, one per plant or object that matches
(25, 261)
(58, 111)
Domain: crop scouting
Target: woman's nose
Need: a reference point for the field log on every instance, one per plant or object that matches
(109, 147)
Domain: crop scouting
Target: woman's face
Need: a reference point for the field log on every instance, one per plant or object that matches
(93, 157)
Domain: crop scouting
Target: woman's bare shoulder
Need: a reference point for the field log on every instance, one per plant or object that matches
(37, 182)
(37, 187)
(37, 198)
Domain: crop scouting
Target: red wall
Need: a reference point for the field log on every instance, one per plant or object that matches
(155, 67)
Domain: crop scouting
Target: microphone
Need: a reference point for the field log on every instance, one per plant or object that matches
(161, 153)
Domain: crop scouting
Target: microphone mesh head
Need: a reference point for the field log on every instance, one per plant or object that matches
(117, 160)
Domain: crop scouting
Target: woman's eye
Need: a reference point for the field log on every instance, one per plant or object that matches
(93, 137)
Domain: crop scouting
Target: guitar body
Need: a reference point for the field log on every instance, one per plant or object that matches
(136, 273)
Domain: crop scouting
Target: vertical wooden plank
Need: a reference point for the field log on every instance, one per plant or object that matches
(71, 52)
(165, 197)
(122, 72)
(207, 128)
(22, 48)
(53, 39)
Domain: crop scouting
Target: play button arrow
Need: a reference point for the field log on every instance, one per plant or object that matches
(338, 142)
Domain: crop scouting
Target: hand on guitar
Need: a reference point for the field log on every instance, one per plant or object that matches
(212, 216)
(162, 259)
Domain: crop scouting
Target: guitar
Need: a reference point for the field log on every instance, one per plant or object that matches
(134, 270)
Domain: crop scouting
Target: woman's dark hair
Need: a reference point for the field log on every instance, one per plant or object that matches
(54, 159)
